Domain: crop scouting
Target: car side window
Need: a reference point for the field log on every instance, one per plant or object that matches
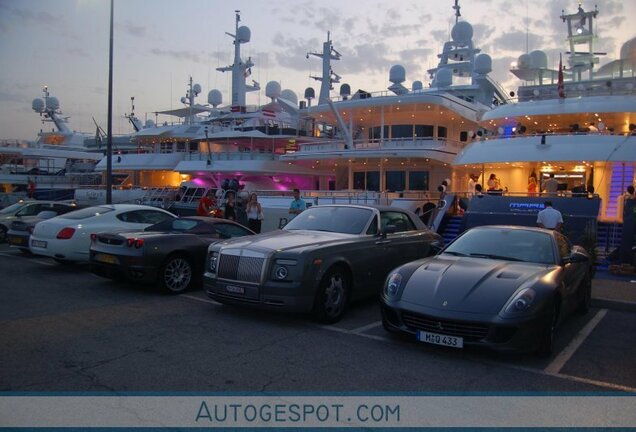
(563, 245)
(400, 220)
(130, 217)
(61, 209)
(373, 228)
(152, 216)
(227, 230)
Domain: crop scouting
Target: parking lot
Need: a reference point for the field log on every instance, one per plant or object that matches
(64, 329)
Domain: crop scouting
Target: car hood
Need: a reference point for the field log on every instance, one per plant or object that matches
(283, 240)
(469, 285)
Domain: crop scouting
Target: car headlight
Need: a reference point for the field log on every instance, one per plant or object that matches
(214, 260)
(522, 301)
(393, 284)
(281, 272)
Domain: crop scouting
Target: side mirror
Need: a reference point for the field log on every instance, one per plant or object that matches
(576, 257)
(389, 229)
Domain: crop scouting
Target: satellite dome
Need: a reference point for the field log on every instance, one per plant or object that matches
(417, 85)
(37, 105)
(483, 64)
(539, 59)
(397, 74)
(244, 34)
(310, 93)
(272, 89)
(183, 99)
(462, 32)
(628, 50)
(215, 97)
(290, 96)
(196, 89)
(150, 123)
(524, 61)
(52, 103)
(345, 90)
(444, 78)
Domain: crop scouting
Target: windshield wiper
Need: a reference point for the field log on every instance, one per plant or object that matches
(454, 253)
(491, 256)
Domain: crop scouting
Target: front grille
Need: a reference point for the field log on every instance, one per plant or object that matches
(466, 330)
(240, 268)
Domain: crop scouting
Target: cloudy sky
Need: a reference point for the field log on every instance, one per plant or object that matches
(159, 44)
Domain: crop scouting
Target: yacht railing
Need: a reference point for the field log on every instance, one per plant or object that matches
(419, 143)
(597, 87)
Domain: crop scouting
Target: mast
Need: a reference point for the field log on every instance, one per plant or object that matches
(240, 70)
(329, 77)
(581, 32)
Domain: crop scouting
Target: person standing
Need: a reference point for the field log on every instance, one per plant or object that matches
(550, 217)
(532, 186)
(493, 183)
(551, 185)
(254, 214)
(205, 204)
(298, 205)
(230, 210)
(472, 180)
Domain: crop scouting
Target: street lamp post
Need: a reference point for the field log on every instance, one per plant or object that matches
(109, 129)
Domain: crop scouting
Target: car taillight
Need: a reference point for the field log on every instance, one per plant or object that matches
(137, 243)
(66, 233)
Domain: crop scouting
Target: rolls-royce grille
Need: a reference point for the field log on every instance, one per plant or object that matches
(240, 268)
(469, 331)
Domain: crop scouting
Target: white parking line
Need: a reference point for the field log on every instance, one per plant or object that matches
(200, 299)
(36, 260)
(560, 360)
(367, 327)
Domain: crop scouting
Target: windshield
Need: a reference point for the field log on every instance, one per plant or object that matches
(87, 212)
(504, 243)
(12, 208)
(173, 225)
(346, 220)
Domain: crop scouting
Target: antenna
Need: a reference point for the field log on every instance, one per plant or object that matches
(457, 7)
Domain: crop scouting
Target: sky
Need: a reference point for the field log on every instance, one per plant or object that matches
(159, 44)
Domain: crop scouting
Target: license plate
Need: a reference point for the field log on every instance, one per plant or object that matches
(234, 289)
(38, 243)
(439, 339)
(105, 258)
(16, 240)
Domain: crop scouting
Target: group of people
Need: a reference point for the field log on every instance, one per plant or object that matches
(253, 208)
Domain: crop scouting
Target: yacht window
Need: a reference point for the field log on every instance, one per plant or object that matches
(418, 180)
(441, 132)
(425, 131)
(395, 181)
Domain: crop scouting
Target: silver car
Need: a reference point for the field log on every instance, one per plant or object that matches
(324, 258)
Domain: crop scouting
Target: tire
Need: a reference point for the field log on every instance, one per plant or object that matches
(546, 344)
(176, 274)
(333, 296)
(585, 293)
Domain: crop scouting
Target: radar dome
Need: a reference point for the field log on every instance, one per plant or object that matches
(483, 64)
(397, 74)
(417, 85)
(215, 98)
(310, 93)
(52, 103)
(345, 90)
(150, 123)
(290, 96)
(37, 105)
(462, 32)
(196, 88)
(272, 90)
(183, 99)
(443, 78)
(539, 59)
(524, 61)
(628, 50)
(244, 34)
